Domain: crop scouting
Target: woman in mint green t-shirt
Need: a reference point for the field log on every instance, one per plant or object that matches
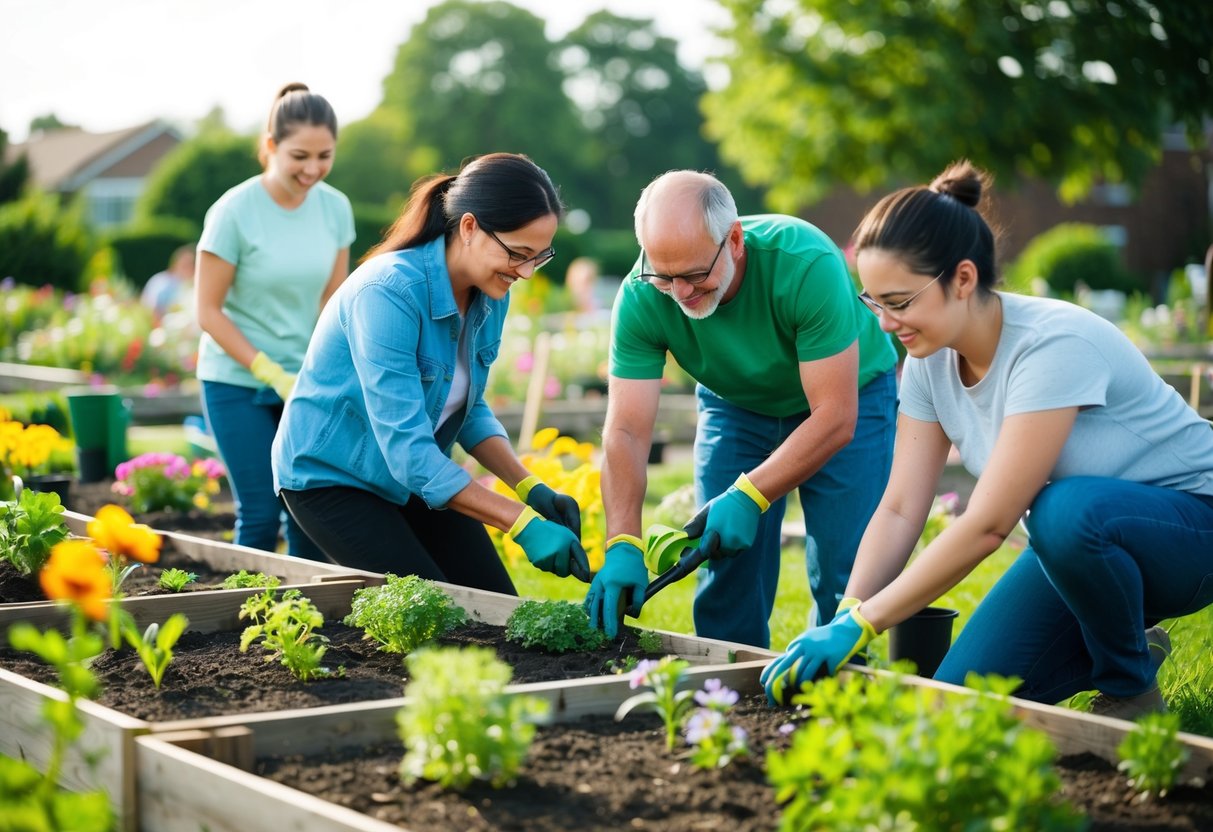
(273, 250)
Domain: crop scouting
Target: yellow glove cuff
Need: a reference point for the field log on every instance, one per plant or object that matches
(265, 368)
(526, 516)
(847, 603)
(626, 538)
(747, 488)
(523, 488)
(869, 632)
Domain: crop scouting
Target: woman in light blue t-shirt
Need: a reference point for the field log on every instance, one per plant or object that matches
(1061, 418)
(273, 250)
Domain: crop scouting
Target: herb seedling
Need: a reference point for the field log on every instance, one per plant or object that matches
(175, 580)
(458, 724)
(250, 580)
(30, 528)
(287, 629)
(554, 626)
(155, 644)
(716, 742)
(876, 753)
(404, 613)
(649, 641)
(671, 704)
(1152, 755)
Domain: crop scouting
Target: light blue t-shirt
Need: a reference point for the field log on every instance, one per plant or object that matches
(1131, 425)
(284, 258)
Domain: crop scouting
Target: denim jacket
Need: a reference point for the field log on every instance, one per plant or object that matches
(377, 373)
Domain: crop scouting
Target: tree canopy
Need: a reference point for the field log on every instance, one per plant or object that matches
(868, 93)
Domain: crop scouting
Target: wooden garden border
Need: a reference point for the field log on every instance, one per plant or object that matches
(201, 777)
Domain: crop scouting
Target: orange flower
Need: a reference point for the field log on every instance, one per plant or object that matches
(117, 532)
(76, 572)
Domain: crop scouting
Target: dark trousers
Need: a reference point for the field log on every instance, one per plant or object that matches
(359, 529)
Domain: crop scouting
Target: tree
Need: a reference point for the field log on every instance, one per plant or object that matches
(13, 174)
(474, 78)
(639, 103)
(195, 174)
(374, 161)
(864, 94)
(48, 123)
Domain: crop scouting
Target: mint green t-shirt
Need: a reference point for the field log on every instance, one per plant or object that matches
(796, 303)
(284, 258)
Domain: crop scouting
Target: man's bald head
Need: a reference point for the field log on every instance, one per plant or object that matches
(685, 203)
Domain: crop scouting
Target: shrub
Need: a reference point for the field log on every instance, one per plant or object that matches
(370, 222)
(145, 247)
(43, 243)
(554, 626)
(195, 174)
(404, 613)
(1068, 254)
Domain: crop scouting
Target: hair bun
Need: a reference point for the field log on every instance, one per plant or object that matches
(294, 86)
(963, 181)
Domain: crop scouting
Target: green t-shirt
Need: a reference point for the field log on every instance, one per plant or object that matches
(796, 303)
(284, 258)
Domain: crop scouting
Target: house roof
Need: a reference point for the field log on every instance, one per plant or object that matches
(66, 160)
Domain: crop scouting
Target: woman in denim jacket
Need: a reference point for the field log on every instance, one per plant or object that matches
(395, 375)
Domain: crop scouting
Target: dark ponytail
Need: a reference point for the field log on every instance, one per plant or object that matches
(503, 191)
(293, 106)
(934, 227)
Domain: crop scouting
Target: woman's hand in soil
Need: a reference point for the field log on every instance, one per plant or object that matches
(729, 523)
(623, 576)
(550, 546)
(553, 505)
(817, 652)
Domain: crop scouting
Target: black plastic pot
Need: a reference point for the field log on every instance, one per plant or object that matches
(60, 484)
(923, 638)
(93, 463)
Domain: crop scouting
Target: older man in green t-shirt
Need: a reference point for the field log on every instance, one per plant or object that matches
(796, 391)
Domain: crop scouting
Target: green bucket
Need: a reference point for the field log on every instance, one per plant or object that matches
(100, 417)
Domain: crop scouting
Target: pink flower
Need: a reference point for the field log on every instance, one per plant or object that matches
(525, 362)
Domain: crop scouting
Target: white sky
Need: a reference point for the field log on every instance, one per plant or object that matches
(110, 64)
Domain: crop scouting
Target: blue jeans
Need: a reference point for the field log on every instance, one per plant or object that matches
(243, 421)
(735, 596)
(1106, 559)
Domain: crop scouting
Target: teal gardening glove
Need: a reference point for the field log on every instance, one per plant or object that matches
(729, 523)
(622, 572)
(268, 371)
(817, 652)
(550, 546)
(551, 504)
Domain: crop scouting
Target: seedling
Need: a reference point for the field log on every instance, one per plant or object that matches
(404, 613)
(175, 580)
(663, 678)
(716, 742)
(1152, 755)
(554, 626)
(250, 580)
(155, 645)
(30, 528)
(287, 629)
(459, 725)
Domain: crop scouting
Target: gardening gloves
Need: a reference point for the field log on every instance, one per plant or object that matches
(550, 546)
(268, 371)
(551, 504)
(623, 577)
(729, 523)
(815, 653)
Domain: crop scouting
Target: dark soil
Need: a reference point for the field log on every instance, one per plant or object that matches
(596, 774)
(218, 524)
(209, 675)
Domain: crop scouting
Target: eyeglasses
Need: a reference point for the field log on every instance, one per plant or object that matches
(518, 259)
(694, 278)
(895, 309)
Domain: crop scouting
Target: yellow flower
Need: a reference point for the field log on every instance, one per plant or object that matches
(201, 500)
(118, 533)
(76, 572)
(563, 445)
(544, 438)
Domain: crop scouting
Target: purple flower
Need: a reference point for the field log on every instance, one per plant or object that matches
(702, 725)
(640, 675)
(716, 695)
(787, 728)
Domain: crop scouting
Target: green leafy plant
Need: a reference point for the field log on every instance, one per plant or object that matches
(249, 580)
(155, 644)
(1152, 755)
(159, 480)
(877, 753)
(554, 626)
(663, 677)
(30, 528)
(404, 613)
(175, 580)
(715, 742)
(458, 724)
(649, 641)
(287, 629)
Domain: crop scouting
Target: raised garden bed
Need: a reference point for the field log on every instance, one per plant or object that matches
(336, 770)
